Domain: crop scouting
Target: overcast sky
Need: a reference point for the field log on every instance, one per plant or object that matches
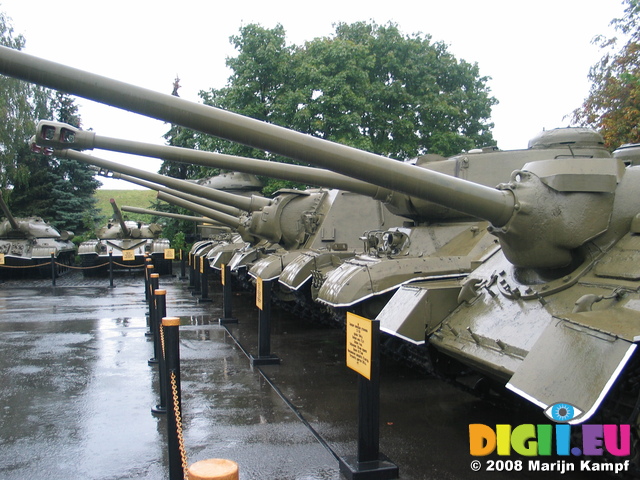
(538, 54)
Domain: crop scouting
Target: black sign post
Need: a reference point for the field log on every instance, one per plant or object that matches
(227, 295)
(263, 302)
(363, 356)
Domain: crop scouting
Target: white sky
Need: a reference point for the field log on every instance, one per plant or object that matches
(538, 54)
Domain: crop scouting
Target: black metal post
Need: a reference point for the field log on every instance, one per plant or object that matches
(148, 269)
(147, 294)
(110, 268)
(171, 327)
(204, 280)
(369, 399)
(53, 269)
(196, 275)
(182, 266)
(263, 301)
(161, 312)
(369, 464)
(192, 280)
(154, 318)
(227, 295)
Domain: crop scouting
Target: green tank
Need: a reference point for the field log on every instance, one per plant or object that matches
(294, 221)
(436, 245)
(552, 316)
(27, 242)
(120, 238)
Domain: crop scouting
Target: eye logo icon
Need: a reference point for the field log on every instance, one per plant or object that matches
(562, 412)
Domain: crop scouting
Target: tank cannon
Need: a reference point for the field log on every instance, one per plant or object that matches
(177, 216)
(562, 291)
(30, 241)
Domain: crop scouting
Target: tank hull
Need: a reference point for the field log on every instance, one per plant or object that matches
(125, 253)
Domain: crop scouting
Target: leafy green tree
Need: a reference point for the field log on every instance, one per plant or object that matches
(367, 86)
(20, 102)
(613, 103)
(60, 191)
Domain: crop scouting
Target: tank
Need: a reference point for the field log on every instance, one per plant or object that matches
(435, 245)
(353, 261)
(552, 316)
(127, 241)
(29, 242)
(275, 230)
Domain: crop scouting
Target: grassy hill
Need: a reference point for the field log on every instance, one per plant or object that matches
(131, 198)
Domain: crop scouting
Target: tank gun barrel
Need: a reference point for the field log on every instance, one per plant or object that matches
(496, 206)
(178, 216)
(228, 220)
(73, 138)
(238, 201)
(118, 216)
(7, 213)
(193, 198)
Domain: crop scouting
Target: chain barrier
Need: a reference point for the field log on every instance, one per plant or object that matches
(162, 339)
(72, 267)
(176, 410)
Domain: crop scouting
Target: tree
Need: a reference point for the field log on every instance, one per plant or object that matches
(60, 191)
(366, 86)
(19, 101)
(613, 103)
(74, 184)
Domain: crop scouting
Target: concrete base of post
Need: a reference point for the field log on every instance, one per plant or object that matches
(264, 360)
(382, 469)
(226, 321)
(214, 469)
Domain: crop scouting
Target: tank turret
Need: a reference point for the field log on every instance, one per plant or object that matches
(553, 316)
(30, 242)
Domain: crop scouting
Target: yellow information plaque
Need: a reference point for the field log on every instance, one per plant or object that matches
(128, 255)
(222, 274)
(169, 254)
(359, 347)
(1, 258)
(259, 293)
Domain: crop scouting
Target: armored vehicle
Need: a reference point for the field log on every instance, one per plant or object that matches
(30, 242)
(127, 242)
(436, 245)
(553, 315)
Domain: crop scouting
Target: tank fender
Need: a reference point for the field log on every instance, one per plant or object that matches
(577, 359)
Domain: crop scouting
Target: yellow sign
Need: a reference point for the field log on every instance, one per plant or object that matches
(359, 345)
(169, 254)
(259, 303)
(128, 255)
(222, 274)
(1, 258)
(201, 260)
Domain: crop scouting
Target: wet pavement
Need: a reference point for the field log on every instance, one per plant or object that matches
(77, 392)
